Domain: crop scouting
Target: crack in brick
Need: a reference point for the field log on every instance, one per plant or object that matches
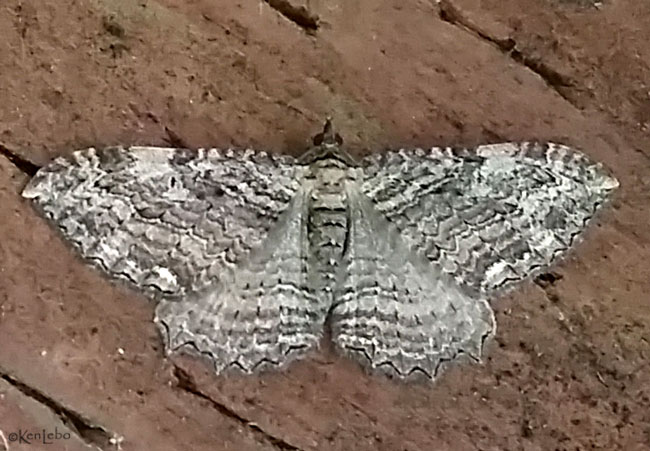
(299, 15)
(185, 382)
(90, 433)
(175, 140)
(20, 162)
(555, 80)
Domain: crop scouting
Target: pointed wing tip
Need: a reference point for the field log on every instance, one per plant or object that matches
(40, 185)
(610, 183)
(30, 192)
(35, 187)
(602, 181)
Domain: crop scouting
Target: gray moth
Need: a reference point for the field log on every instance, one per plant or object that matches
(254, 258)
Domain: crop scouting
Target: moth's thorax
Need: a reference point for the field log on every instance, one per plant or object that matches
(328, 219)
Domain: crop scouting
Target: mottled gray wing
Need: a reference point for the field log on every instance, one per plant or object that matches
(262, 313)
(394, 310)
(492, 215)
(170, 221)
(216, 236)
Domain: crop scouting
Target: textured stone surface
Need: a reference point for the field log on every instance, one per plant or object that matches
(568, 368)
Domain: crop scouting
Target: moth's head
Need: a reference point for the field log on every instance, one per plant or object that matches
(327, 144)
(328, 137)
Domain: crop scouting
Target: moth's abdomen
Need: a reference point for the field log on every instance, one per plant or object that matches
(327, 224)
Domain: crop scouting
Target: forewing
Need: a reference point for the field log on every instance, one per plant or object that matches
(395, 311)
(170, 221)
(492, 215)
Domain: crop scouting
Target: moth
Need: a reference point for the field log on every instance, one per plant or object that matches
(252, 257)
